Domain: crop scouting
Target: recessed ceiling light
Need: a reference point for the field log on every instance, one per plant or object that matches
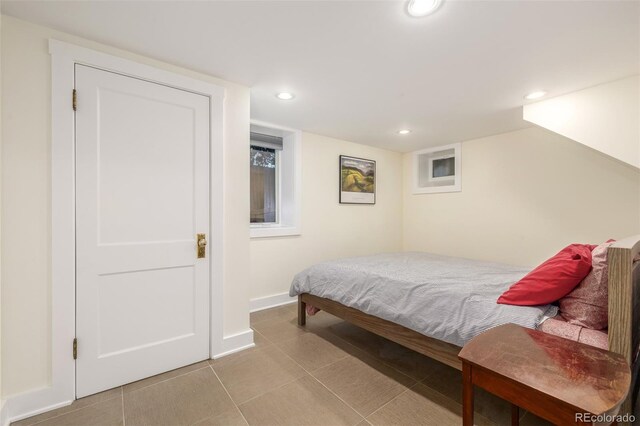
(419, 8)
(404, 132)
(285, 96)
(535, 95)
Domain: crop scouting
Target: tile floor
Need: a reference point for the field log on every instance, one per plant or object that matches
(328, 373)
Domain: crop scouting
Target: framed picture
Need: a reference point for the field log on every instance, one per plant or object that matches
(357, 180)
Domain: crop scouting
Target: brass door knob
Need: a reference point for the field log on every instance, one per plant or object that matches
(202, 245)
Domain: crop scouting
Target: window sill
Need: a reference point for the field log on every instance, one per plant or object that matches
(265, 231)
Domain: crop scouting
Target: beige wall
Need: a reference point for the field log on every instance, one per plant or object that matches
(26, 195)
(329, 229)
(525, 194)
(603, 117)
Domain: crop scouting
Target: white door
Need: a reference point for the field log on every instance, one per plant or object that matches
(142, 195)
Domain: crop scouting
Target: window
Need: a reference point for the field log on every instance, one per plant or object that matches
(437, 169)
(274, 181)
(264, 181)
(443, 168)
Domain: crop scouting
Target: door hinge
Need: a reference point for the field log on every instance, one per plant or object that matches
(74, 100)
(75, 348)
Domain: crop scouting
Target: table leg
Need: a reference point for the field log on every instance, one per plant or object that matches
(467, 395)
(515, 415)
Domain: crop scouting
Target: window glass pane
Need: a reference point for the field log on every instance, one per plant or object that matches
(444, 167)
(436, 168)
(263, 185)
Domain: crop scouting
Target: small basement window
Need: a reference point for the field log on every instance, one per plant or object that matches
(437, 169)
(274, 181)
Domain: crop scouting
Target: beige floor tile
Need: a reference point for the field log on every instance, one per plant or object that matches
(402, 359)
(236, 354)
(448, 381)
(76, 405)
(182, 400)
(281, 313)
(278, 331)
(312, 351)
(302, 402)
(105, 413)
(364, 383)
(251, 373)
(229, 418)
(260, 340)
(164, 376)
(358, 337)
(321, 321)
(421, 406)
(406, 360)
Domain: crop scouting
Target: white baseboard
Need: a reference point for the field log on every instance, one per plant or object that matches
(31, 403)
(236, 343)
(272, 301)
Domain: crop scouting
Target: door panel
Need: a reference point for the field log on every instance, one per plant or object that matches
(142, 194)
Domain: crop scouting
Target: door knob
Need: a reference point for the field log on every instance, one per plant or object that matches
(202, 245)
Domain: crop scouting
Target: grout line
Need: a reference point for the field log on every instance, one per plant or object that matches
(266, 392)
(263, 336)
(358, 350)
(109, 399)
(124, 421)
(271, 344)
(392, 399)
(165, 380)
(322, 384)
(369, 355)
(228, 394)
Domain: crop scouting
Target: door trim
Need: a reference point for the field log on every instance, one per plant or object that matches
(64, 56)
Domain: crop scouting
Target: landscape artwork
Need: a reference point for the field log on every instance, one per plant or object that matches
(357, 180)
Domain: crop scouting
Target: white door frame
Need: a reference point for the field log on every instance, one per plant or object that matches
(64, 56)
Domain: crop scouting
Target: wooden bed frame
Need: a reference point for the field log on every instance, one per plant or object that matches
(624, 317)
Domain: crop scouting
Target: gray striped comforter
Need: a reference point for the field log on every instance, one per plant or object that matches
(448, 298)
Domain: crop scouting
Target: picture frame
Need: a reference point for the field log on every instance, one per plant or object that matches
(357, 180)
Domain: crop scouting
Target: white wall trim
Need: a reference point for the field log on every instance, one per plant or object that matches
(64, 56)
(30, 404)
(236, 343)
(260, 303)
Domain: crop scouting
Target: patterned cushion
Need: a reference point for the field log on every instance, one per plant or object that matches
(559, 327)
(586, 305)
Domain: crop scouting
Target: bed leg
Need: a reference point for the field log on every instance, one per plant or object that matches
(302, 312)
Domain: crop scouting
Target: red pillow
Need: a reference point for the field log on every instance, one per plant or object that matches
(552, 280)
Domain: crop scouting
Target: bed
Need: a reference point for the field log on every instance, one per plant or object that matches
(440, 332)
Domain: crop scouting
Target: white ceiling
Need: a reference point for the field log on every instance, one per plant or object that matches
(363, 70)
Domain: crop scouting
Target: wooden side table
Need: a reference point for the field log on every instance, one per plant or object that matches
(551, 377)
